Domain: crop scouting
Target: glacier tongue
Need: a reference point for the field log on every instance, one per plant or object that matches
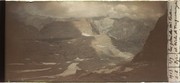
(102, 42)
(103, 46)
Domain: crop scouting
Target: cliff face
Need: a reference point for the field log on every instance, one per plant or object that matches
(155, 48)
(154, 52)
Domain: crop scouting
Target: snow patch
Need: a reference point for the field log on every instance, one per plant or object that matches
(127, 69)
(106, 70)
(50, 63)
(85, 34)
(78, 59)
(33, 70)
(101, 46)
(72, 68)
(68, 62)
(111, 64)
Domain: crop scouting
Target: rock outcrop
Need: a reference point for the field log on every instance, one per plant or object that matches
(59, 29)
(155, 48)
(154, 53)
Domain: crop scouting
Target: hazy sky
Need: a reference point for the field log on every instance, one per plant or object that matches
(32, 12)
(135, 10)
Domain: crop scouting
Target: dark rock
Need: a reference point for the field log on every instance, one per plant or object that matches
(59, 30)
(129, 35)
(18, 30)
(154, 54)
(155, 48)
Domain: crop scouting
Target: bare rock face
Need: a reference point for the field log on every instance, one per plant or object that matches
(18, 30)
(59, 29)
(130, 35)
(154, 53)
(155, 48)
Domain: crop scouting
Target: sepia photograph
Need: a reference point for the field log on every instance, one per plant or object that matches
(93, 41)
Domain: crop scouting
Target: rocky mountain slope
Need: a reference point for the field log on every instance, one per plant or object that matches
(154, 53)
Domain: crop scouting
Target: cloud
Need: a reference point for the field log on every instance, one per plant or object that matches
(134, 10)
(38, 14)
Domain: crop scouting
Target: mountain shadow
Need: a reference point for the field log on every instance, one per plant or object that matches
(154, 54)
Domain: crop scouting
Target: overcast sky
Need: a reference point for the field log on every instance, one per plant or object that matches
(135, 10)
